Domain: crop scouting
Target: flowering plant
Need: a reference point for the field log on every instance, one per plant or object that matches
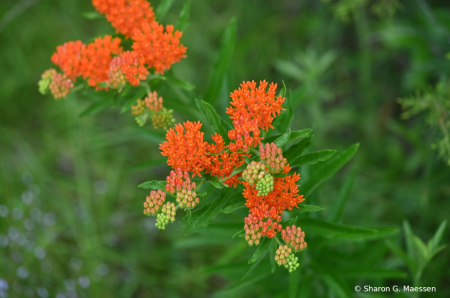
(251, 161)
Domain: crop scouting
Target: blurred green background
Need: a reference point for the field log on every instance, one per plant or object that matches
(71, 222)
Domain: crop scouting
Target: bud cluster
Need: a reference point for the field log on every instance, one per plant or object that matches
(167, 214)
(152, 101)
(116, 78)
(255, 227)
(284, 256)
(181, 183)
(254, 172)
(163, 119)
(154, 202)
(139, 108)
(58, 83)
(271, 155)
(294, 237)
(265, 185)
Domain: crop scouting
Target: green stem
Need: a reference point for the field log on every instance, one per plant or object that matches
(200, 184)
(278, 240)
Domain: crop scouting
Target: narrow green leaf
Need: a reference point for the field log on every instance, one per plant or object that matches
(215, 181)
(183, 19)
(289, 222)
(401, 254)
(201, 193)
(172, 80)
(234, 207)
(421, 248)
(92, 15)
(244, 283)
(211, 213)
(294, 152)
(97, 107)
(162, 9)
(247, 160)
(272, 253)
(283, 139)
(342, 198)
(236, 171)
(262, 247)
(313, 158)
(307, 208)
(153, 185)
(292, 137)
(327, 169)
(213, 118)
(333, 230)
(438, 235)
(189, 216)
(410, 247)
(223, 60)
(239, 234)
(133, 100)
(283, 90)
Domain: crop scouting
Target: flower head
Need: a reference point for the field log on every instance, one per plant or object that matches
(125, 15)
(68, 57)
(185, 148)
(130, 66)
(160, 49)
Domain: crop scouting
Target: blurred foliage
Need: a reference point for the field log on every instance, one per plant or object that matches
(70, 212)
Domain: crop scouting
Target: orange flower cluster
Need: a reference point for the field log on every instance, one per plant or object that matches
(102, 61)
(254, 108)
(125, 15)
(185, 148)
(267, 197)
(160, 49)
(284, 196)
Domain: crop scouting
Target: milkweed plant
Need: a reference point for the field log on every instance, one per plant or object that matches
(252, 161)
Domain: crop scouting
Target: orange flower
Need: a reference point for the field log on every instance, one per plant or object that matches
(160, 49)
(68, 58)
(185, 148)
(130, 66)
(284, 196)
(96, 59)
(125, 15)
(256, 104)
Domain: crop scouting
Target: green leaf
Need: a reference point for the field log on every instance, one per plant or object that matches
(162, 9)
(262, 247)
(289, 222)
(327, 169)
(183, 19)
(153, 185)
(339, 231)
(307, 208)
(189, 216)
(234, 207)
(133, 100)
(283, 139)
(313, 158)
(438, 236)
(171, 79)
(239, 234)
(342, 198)
(283, 90)
(401, 254)
(294, 152)
(211, 212)
(97, 107)
(222, 63)
(247, 160)
(215, 181)
(236, 171)
(201, 193)
(213, 118)
(92, 15)
(272, 253)
(294, 135)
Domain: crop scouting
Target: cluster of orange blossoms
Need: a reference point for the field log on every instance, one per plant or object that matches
(104, 61)
(254, 109)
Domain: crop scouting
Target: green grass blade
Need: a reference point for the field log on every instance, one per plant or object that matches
(344, 194)
(162, 9)
(183, 19)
